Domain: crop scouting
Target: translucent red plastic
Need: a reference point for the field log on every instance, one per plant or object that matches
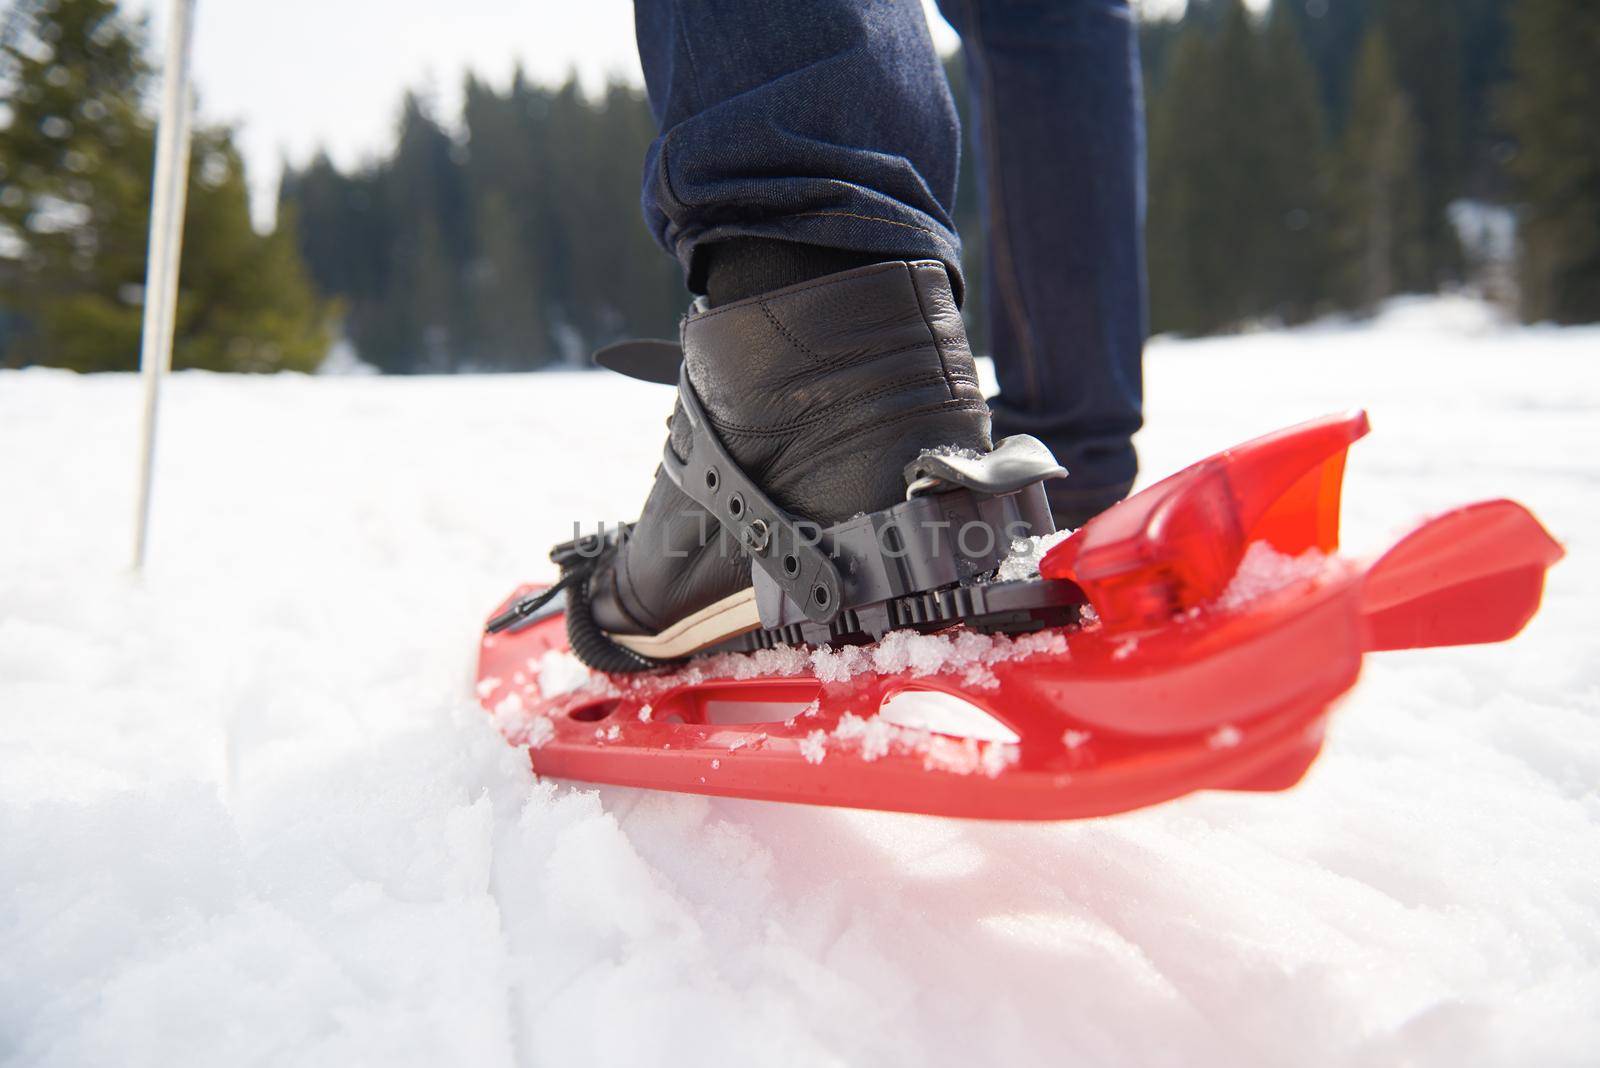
(1173, 688)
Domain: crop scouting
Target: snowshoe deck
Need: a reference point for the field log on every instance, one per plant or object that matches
(1221, 628)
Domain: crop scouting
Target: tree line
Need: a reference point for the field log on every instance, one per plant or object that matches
(510, 242)
(1301, 160)
(1312, 160)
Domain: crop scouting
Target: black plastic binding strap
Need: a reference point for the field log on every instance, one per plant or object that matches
(788, 553)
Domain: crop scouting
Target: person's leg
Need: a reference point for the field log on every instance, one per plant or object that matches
(1058, 127)
(798, 138)
(803, 177)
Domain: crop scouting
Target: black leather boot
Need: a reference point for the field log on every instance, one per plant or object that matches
(823, 393)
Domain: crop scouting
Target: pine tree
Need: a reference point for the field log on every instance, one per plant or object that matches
(246, 302)
(1551, 108)
(1379, 236)
(580, 290)
(72, 198)
(1193, 200)
(642, 285)
(1237, 216)
(1485, 64)
(505, 280)
(1331, 32)
(508, 242)
(1425, 37)
(421, 313)
(507, 330)
(1292, 178)
(75, 163)
(339, 227)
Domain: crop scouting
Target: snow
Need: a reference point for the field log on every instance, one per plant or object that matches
(1264, 570)
(559, 672)
(1487, 231)
(814, 747)
(343, 359)
(902, 652)
(1225, 737)
(1023, 560)
(250, 812)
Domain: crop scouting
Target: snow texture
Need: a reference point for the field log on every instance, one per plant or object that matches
(1264, 570)
(250, 812)
(901, 652)
(1023, 560)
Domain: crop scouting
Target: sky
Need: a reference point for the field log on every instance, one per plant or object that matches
(296, 75)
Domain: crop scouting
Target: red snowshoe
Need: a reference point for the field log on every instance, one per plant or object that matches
(1194, 636)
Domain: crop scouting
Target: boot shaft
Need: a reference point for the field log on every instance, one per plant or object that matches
(826, 390)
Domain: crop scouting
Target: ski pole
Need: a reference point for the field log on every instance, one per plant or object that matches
(169, 189)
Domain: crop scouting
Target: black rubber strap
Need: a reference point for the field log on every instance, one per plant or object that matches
(592, 645)
(588, 642)
(787, 551)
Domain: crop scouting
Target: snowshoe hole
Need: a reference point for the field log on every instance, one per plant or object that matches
(771, 701)
(943, 713)
(593, 713)
(730, 713)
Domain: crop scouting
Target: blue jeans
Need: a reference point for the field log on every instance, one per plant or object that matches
(829, 122)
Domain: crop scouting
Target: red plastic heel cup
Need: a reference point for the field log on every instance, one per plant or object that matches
(1177, 544)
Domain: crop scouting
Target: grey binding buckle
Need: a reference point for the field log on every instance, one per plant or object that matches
(1013, 464)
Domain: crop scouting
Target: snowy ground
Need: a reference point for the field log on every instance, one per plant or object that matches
(250, 814)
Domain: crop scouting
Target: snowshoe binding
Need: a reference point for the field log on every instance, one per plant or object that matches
(1193, 636)
(844, 486)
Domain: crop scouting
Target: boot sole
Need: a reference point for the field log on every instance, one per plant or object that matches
(727, 618)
